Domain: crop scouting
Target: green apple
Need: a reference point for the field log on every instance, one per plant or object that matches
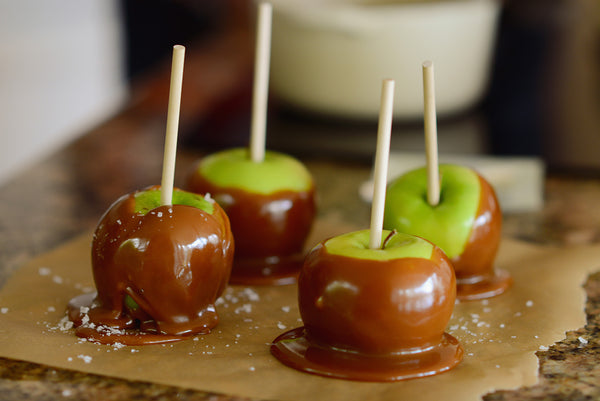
(158, 269)
(448, 224)
(149, 199)
(466, 224)
(396, 246)
(271, 206)
(277, 172)
(373, 314)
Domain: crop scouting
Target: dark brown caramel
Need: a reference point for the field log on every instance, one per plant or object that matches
(475, 273)
(269, 230)
(173, 262)
(372, 320)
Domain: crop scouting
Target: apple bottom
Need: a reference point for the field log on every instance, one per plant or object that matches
(483, 287)
(295, 350)
(111, 330)
(273, 270)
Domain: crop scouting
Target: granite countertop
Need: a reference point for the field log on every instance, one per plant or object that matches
(63, 196)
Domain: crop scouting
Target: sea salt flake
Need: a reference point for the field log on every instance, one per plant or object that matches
(251, 294)
(544, 348)
(529, 303)
(244, 308)
(582, 340)
(281, 326)
(44, 271)
(57, 279)
(286, 309)
(4, 310)
(85, 358)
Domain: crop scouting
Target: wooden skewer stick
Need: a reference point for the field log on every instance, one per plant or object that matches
(382, 156)
(168, 172)
(261, 83)
(431, 146)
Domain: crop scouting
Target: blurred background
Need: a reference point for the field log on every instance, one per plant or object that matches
(68, 65)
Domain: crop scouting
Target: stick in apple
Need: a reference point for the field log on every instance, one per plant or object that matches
(168, 172)
(261, 83)
(381, 162)
(431, 147)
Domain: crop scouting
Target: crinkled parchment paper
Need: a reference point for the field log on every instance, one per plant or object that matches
(500, 336)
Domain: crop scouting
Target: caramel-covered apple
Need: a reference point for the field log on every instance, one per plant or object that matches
(271, 206)
(158, 269)
(373, 314)
(466, 224)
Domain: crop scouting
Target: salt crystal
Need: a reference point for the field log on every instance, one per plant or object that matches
(4, 310)
(159, 214)
(85, 358)
(286, 309)
(44, 271)
(57, 279)
(543, 348)
(281, 326)
(582, 340)
(251, 294)
(252, 368)
(529, 303)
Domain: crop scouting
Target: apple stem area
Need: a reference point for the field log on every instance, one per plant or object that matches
(388, 238)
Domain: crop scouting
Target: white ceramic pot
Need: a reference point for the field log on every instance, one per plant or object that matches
(331, 56)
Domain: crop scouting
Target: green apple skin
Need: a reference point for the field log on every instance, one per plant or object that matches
(466, 223)
(376, 301)
(448, 224)
(233, 168)
(271, 206)
(161, 266)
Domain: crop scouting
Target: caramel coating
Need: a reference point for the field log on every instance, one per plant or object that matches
(173, 263)
(372, 320)
(269, 230)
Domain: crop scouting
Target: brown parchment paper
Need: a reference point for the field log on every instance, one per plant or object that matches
(500, 336)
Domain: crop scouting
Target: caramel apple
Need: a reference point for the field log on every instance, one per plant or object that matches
(271, 206)
(466, 224)
(373, 314)
(158, 269)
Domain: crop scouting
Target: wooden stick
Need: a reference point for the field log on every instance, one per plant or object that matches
(382, 156)
(168, 172)
(261, 83)
(431, 146)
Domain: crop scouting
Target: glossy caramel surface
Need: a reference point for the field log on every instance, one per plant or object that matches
(474, 268)
(269, 230)
(372, 320)
(376, 306)
(172, 262)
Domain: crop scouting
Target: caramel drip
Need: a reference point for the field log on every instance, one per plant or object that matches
(173, 263)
